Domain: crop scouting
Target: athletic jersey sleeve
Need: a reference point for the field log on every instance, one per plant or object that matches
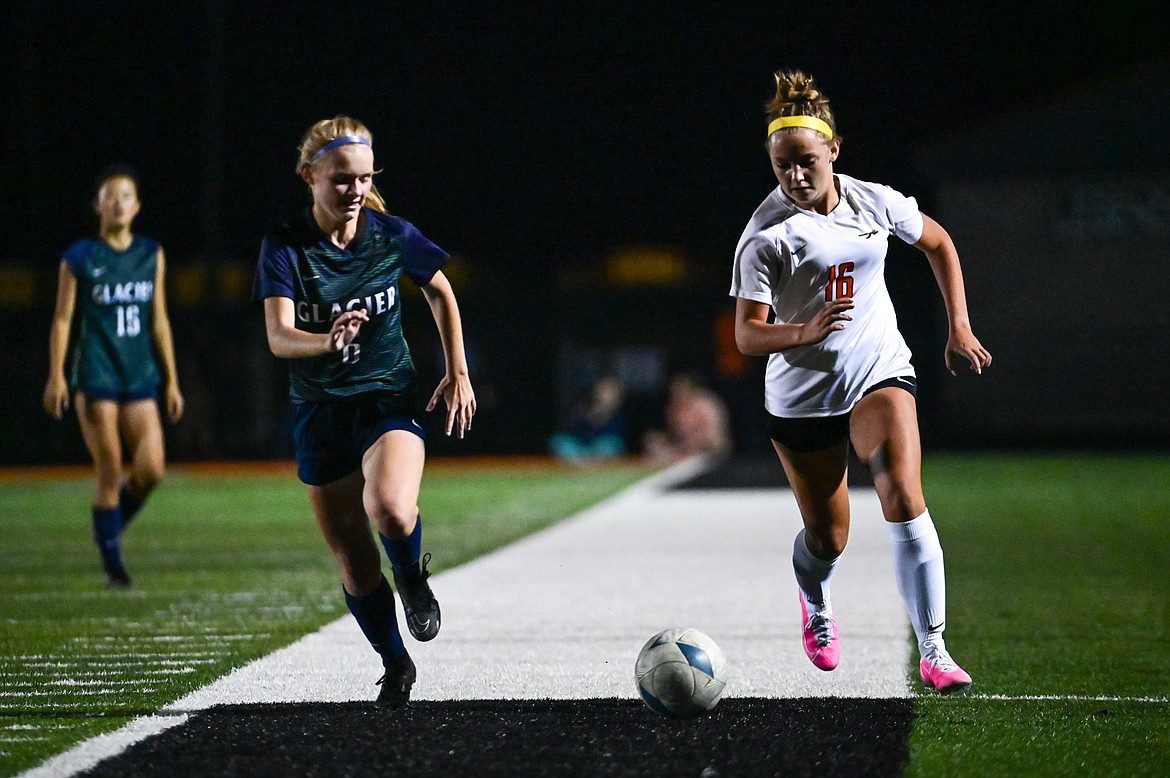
(75, 255)
(422, 258)
(905, 218)
(274, 271)
(754, 274)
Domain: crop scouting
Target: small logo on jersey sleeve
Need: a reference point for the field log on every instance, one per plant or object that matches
(869, 234)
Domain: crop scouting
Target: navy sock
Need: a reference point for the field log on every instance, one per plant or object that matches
(107, 524)
(376, 616)
(404, 554)
(129, 504)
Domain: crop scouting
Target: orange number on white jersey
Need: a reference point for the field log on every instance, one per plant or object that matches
(840, 279)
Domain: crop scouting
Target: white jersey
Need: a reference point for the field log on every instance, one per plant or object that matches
(796, 261)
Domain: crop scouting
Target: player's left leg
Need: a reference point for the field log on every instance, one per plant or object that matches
(884, 432)
(141, 428)
(342, 518)
(393, 468)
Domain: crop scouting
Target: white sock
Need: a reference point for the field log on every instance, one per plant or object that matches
(918, 565)
(812, 575)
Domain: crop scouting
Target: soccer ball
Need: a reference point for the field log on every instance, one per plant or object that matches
(679, 673)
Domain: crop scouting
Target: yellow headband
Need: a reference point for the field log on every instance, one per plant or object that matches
(811, 122)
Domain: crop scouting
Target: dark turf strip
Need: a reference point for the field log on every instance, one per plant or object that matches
(741, 737)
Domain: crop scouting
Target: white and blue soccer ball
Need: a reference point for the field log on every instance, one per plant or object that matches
(680, 673)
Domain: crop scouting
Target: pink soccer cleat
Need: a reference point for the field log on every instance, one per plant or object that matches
(821, 642)
(940, 672)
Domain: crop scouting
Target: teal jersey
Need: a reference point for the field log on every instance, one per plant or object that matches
(299, 262)
(113, 345)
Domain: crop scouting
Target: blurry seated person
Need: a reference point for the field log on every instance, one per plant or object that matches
(596, 430)
(696, 423)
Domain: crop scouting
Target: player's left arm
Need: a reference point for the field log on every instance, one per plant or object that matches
(944, 261)
(164, 342)
(455, 388)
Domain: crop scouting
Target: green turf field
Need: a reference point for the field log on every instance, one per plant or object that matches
(1058, 569)
(1058, 572)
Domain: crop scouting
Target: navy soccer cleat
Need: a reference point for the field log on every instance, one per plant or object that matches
(117, 578)
(418, 601)
(396, 682)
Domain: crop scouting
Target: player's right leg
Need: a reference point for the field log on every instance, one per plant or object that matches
(819, 483)
(99, 429)
(342, 518)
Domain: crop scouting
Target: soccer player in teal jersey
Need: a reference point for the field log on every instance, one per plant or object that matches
(329, 282)
(122, 350)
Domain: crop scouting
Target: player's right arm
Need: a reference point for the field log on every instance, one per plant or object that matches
(56, 396)
(755, 337)
(287, 342)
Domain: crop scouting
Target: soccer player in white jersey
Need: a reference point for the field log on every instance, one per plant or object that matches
(813, 255)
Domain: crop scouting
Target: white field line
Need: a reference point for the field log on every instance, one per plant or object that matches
(1064, 698)
(89, 753)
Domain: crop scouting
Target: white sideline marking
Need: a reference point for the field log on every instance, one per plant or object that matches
(562, 614)
(88, 754)
(1063, 698)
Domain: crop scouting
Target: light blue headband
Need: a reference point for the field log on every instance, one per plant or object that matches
(344, 140)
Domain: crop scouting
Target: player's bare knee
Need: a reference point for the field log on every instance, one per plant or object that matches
(145, 478)
(902, 502)
(394, 515)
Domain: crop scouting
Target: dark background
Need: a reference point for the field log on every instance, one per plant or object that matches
(537, 143)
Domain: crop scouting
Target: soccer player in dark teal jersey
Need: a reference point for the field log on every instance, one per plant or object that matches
(329, 282)
(122, 350)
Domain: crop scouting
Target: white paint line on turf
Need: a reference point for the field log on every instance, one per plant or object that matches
(89, 753)
(1063, 698)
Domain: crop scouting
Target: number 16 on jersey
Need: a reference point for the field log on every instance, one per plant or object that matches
(840, 282)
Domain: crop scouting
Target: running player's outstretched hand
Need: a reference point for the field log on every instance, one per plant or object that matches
(963, 343)
(460, 399)
(345, 328)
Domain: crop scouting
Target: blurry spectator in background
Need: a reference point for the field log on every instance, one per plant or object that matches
(696, 423)
(597, 428)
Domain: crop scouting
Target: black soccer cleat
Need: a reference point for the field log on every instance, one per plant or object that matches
(396, 683)
(117, 578)
(419, 603)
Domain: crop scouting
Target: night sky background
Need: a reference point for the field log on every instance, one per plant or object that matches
(527, 138)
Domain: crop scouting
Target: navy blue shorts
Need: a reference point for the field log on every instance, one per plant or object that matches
(821, 432)
(331, 437)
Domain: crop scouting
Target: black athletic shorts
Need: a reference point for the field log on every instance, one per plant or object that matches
(821, 432)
